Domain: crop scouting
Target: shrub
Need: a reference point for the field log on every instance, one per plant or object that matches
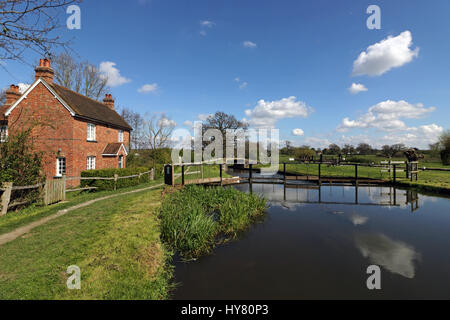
(359, 160)
(21, 165)
(111, 184)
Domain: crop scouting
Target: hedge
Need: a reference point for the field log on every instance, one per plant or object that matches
(111, 184)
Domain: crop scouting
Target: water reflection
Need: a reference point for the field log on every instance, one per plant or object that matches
(321, 247)
(395, 256)
(288, 194)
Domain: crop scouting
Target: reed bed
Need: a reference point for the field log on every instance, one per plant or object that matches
(195, 219)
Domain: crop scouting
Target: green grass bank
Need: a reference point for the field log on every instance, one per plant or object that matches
(195, 219)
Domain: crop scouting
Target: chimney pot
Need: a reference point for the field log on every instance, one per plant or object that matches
(109, 101)
(44, 71)
(12, 95)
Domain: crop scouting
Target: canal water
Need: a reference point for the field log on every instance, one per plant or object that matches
(317, 243)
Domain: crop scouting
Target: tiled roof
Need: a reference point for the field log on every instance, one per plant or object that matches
(89, 108)
(112, 148)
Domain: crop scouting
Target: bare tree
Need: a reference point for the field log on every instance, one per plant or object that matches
(28, 25)
(223, 122)
(82, 77)
(158, 132)
(2, 97)
(136, 121)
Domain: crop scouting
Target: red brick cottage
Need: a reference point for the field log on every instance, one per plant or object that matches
(75, 133)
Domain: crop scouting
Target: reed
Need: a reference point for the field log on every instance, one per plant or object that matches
(195, 218)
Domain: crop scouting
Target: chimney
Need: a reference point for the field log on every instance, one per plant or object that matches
(12, 95)
(44, 71)
(109, 101)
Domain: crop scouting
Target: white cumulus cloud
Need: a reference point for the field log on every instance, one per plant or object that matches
(146, 88)
(389, 53)
(298, 132)
(249, 44)
(357, 88)
(387, 116)
(266, 113)
(109, 71)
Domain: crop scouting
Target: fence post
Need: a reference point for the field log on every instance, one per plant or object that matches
(116, 177)
(152, 174)
(395, 173)
(284, 172)
(407, 169)
(63, 191)
(320, 164)
(182, 175)
(356, 174)
(250, 174)
(221, 174)
(6, 197)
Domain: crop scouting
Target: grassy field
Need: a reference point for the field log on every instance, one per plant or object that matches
(115, 242)
(200, 172)
(430, 180)
(14, 220)
(192, 219)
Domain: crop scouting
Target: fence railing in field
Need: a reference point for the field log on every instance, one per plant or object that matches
(116, 177)
(53, 190)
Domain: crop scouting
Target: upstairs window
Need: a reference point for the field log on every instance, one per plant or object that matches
(60, 166)
(120, 136)
(3, 133)
(91, 163)
(91, 132)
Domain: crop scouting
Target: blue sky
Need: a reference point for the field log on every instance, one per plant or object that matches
(198, 57)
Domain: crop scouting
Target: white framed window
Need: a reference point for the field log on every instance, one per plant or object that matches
(90, 163)
(3, 133)
(120, 162)
(60, 166)
(120, 136)
(91, 132)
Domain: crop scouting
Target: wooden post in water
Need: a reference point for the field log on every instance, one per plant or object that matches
(6, 197)
(320, 182)
(395, 173)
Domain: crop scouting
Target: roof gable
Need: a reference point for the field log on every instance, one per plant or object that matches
(31, 88)
(78, 105)
(113, 149)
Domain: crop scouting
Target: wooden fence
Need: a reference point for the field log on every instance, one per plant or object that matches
(53, 190)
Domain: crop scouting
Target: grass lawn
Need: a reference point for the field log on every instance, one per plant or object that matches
(195, 172)
(430, 180)
(115, 242)
(14, 220)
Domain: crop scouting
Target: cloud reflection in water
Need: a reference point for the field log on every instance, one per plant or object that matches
(395, 256)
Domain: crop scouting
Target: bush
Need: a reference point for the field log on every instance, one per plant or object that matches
(111, 184)
(359, 160)
(21, 165)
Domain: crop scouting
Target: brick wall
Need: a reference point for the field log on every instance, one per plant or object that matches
(56, 133)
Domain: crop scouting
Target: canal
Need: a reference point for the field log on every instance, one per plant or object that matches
(317, 243)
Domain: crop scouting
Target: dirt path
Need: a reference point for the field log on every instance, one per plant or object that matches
(10, 236)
